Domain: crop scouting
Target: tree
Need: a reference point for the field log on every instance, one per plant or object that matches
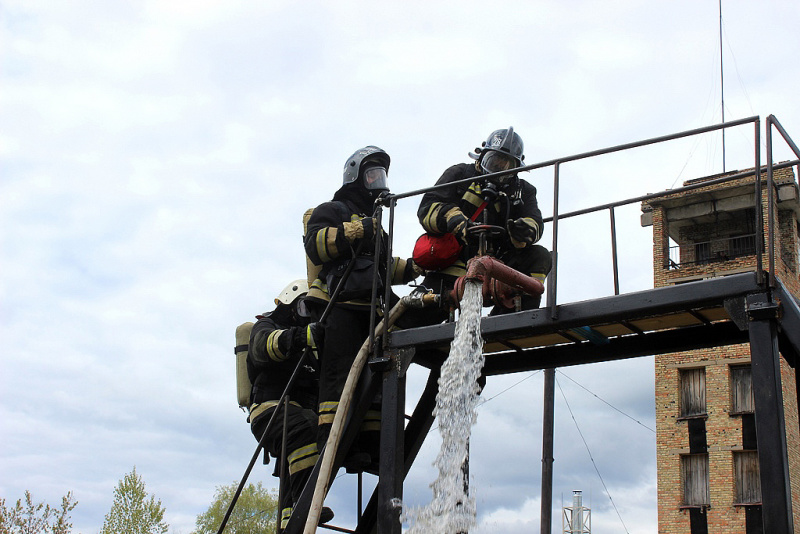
(39, 518)
(132, 512)
(256, 511)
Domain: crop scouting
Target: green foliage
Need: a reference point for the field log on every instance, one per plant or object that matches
(39, 518)
(256, 511)
(132, 512)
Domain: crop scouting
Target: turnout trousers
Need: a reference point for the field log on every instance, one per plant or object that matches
(346, 329)
(301, 448)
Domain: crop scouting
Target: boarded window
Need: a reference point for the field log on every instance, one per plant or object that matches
(693, 392)
(741, 389)
(694, 473)
(748, 484)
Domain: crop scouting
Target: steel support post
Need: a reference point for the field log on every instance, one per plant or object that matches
(547, 451)
(391, 472)
(773, 459)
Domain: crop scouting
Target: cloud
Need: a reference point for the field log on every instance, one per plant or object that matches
(157, 158)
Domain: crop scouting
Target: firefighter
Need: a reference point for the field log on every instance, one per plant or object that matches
(277, 341)
(502, 200)
(338, 232)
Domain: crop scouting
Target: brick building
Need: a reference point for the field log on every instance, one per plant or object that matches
(707, 464)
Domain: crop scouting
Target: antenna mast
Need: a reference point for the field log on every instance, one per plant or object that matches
(721, 84)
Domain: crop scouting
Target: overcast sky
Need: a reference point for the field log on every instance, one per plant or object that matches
(156, 158)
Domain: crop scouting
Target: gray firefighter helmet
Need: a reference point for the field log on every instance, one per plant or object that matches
(371, 163)
(502, 151)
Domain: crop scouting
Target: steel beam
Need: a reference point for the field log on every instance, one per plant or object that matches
(391, 475)
(776, 495)
(789, 326)
(631, 346)
(618, 308)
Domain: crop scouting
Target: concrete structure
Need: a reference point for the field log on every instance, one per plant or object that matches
(707, 460)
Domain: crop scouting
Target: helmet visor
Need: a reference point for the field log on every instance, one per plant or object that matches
(302, 309)
(375, 179)
(497, 161)
(494, 162)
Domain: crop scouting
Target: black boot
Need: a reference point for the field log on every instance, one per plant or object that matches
(325, 516)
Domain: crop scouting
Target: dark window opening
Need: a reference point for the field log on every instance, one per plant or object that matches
(702, 253)
(742, 245)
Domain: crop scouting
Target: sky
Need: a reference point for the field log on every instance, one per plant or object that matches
(156, 158)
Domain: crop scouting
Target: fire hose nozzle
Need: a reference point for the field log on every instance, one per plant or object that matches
(420, 300)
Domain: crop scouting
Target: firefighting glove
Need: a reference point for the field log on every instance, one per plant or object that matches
(415, 269)
(308, 336)
(360, 229)
(314, 335)
(457, 224)
(523, 231)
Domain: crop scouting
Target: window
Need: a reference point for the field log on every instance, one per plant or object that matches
(741, 389)
(694, 474)
(748, 483)
(742, 245)
(693, 392)
(702, 252)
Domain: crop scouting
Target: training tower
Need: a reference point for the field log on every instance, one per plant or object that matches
(707, 441)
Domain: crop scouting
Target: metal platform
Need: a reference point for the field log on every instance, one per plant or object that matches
(706, 313)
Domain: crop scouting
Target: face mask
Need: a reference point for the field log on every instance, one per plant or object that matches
(375, 178)
(494, 162)
(302, 310)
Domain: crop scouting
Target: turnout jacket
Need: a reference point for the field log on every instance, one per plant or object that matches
(517, 204)
(276, 344)
(334, 232)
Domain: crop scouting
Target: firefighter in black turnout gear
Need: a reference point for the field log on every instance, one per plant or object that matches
(277, 341)
(337, 233)
(502, 200)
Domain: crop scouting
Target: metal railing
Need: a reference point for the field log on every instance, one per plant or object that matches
(716, 250)
(552, 279)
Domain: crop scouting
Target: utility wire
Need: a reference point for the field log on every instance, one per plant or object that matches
(484, 401)
(606, 402)
(592, 458)
(509, 387)
(721, 84)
